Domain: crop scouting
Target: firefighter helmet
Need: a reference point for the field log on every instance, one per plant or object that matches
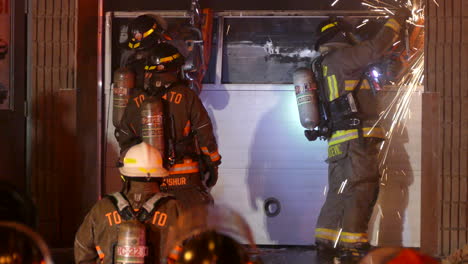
(144, 32)
(328, 30)
(212, 247)
(209, 234)
(164, 58)
(21, 244)
(143, 160)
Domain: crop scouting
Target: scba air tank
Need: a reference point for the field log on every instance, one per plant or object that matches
(131, 243)
(124, 81)
(307, 98)
(152, 123)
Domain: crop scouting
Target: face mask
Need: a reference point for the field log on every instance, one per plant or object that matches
(154, 82)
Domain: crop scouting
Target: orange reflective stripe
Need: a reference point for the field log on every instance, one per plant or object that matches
(214, 156)
(100, 253)
(205, 150)
(188, 166)
(187, 128)
(174, 254)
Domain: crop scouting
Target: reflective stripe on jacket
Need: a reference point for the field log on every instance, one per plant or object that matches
(344, 67)
(189, 115)
(98, 233)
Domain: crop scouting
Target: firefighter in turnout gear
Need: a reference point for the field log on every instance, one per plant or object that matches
(192, 156)
(211, 234)
(144, 32)
(352, 132)
(139, 213)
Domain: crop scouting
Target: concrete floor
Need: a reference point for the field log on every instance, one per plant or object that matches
(296, 255)
(280, 255)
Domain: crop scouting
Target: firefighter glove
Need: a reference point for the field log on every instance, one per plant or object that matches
(212, 176)
(402, 14)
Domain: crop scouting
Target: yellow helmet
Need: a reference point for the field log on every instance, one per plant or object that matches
(143, 160)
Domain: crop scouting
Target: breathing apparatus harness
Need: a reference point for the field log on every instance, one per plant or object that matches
(343, 112)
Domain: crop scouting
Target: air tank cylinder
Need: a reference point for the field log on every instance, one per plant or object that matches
(307, 97)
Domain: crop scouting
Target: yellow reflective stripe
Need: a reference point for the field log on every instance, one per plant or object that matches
(330, 88)
(130, 45)
(345, 135)
(170, 58)
(393, 24)
(325, 233)
(144, 170)
(335, 85)
(351, 84)
(354, 237)
(130, 160)
(162, 60)
(328, 26)
(136, 45)
(150, 67)
(147, 33)
(325, 71)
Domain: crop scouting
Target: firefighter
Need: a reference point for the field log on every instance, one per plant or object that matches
(192, 152)
(144, 32)
(211, 234)
(108, 230)
(353, 136)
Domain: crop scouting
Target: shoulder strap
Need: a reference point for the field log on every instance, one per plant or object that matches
(151, 205)
(122, 205)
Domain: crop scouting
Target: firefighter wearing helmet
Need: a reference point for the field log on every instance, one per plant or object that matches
(143, 33)
(210, 234)
(351, 127)
(190, 150)
(130, 226)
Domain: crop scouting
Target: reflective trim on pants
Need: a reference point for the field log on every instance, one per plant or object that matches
(344, 237)
(345, 135)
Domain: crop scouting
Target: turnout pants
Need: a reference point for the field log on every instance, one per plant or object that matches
(353, 180)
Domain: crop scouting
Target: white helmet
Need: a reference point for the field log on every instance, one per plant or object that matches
(143, 160)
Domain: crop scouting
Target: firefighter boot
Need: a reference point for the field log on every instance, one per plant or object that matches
(326, 253)
(353, 255)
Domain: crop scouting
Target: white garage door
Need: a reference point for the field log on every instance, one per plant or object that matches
(265, 154)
